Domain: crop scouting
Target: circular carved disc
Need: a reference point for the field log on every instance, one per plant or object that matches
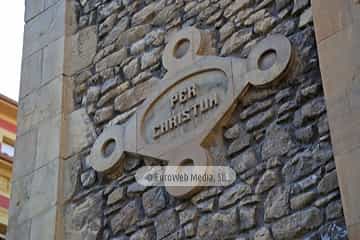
(108, 151)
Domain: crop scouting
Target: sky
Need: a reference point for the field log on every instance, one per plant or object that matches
(11, 39)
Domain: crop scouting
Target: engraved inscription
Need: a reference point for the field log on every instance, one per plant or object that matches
(201, 106)
(186, 107)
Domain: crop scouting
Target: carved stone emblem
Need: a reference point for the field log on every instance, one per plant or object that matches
(179, 121)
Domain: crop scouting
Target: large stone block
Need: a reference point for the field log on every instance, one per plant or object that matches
(49, 3)
(31, 73)
(19, 210)
(21, 231)
(342, 96)
(80, 132)
(330, 57)
(330, 19)
(26, 113)
(34, 194)
(33, 8)
(348, 169)
(48, 219)
(48, 141)
(83, 49)
(25, 151)
(44, 188)
(44, 29)
(49, 102)
(40, 105)
(71, 179)
(53, 60)
(354, 231)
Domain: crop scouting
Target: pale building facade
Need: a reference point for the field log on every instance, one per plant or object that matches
(8, 111)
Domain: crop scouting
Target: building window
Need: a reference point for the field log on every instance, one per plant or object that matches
(7, 147)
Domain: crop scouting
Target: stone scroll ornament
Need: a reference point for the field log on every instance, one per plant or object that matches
(180, 120)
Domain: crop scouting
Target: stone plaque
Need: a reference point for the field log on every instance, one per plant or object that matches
(185, 107)
(177, 122)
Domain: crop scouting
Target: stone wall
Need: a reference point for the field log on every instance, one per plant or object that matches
(339, 63)
(277, 140)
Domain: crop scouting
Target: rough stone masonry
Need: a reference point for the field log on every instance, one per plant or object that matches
(277, 140)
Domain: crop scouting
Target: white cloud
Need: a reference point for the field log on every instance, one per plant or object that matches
(11, 41)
